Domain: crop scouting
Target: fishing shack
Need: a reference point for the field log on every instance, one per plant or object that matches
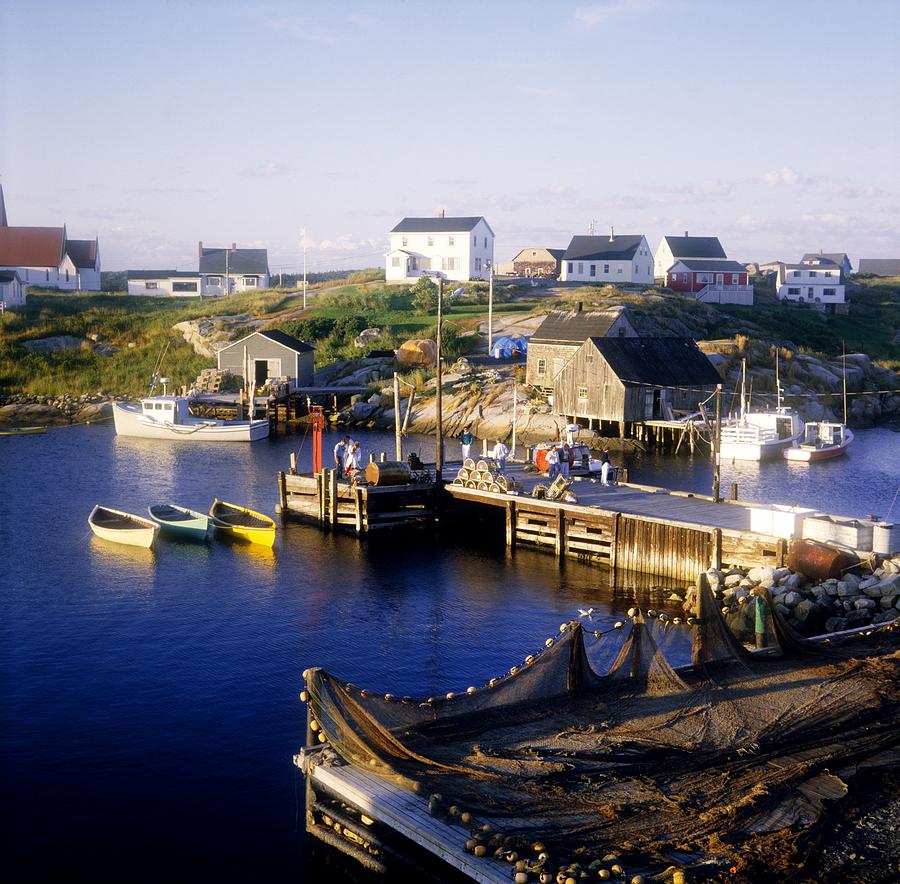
(269, 354)
(629, 380)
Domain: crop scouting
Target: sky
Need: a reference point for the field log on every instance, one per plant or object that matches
(773, 125)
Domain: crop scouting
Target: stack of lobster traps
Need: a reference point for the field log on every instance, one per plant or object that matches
(479, 476)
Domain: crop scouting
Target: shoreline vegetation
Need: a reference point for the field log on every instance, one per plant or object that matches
(65, 357)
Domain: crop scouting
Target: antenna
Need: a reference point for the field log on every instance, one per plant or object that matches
(844, 373)
(592, 227)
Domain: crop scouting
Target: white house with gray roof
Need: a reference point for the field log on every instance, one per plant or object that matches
(161, 283)
(226, 271)
(820, 285)
(679, 248)
(456, 248)
(619, 257)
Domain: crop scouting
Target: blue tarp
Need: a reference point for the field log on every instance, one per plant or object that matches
(507, 347)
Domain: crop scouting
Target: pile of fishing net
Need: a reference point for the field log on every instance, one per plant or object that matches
(731, 763)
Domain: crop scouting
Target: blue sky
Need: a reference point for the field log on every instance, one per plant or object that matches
(157, 124)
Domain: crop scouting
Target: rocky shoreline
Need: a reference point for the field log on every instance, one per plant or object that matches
(47, 411)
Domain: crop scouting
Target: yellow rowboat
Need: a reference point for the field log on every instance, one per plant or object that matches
(21, 431)
(122, 527)
(241, 523)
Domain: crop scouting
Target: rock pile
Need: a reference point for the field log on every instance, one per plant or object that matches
(811, 607)
(20, 410)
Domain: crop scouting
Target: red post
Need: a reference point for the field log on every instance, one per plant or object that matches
(318, 425)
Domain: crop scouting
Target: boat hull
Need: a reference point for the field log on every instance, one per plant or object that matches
(194, 527)
(22, 431)
(143, 535)
(263, 535)
(756, 451)
(130, 421)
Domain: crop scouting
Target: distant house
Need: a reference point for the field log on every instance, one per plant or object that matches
(819, 284)
(12, 289)
(675, 248)
(561, 334)
(538, 261)
(880, 266)
(615, 258)
(180, 283)
(628, 380)
(269, 354)
(456, 248)
(713, 281)
(225, 270)
(43, 256)
(820, 257)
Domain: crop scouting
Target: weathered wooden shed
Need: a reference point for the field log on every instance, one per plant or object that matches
(538, 261)
(632, 380)
(559, 336)
(269, 354)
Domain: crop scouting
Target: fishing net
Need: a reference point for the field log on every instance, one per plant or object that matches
(734, 760)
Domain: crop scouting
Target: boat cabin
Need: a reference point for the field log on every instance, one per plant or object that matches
(823, 434)
(166, 409)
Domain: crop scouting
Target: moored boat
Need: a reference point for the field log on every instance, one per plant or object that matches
(241, 523)
(822, 441)
(120, 527)
(180, 522)
(22, 431)
(169, 417)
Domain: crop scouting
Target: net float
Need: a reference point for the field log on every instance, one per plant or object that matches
(450, 695)
(465, 818)
(471, 690)
(303, 696)
(549, 643)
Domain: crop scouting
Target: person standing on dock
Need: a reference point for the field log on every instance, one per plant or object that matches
(500, 453)
(552, 463)
(604, 467)
(466, 440)
(340, 452)
(352, 459)
(565, 460)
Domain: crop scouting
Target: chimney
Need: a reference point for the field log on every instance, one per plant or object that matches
(440, 213)
(200, 250)
(612, 234)
(685, 234)
(233, 246)
(579, 306)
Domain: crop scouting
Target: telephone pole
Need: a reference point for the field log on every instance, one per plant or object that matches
(491, 310)
(718, 446)
(439, 427)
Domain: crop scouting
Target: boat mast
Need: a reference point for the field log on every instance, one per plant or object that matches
(777, 384)
(743, 389)
(844, 375)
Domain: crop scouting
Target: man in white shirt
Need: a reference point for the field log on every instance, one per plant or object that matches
(340, 452)
(500, 453)
(552, 463)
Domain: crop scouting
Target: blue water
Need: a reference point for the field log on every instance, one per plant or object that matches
(149, 699)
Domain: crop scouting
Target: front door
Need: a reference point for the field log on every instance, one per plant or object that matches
(720, 278)
(260, 372)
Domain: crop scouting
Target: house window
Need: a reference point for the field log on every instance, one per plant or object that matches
(793, 291)
(251, 282)
(151, 285)
(570, 266)
(619, 270)
(184, 286)
(795, 273)
(582, 392)
(478, 265)
(593, 269)
(736, 278)
(809, 292)
(474, 242)
(449, 264)
(812, 274)
(67, 276)
(829, 292)
(431, 240)
(828, 273)
(395, 262)
(48, 275)
(606, 268)
(485, 242)
(214, 280)
(451, 241)
(589, 358)
(542, 366)
(703, 278)
(413, 263)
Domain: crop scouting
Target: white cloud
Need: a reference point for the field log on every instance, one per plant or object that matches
(596, 14)
(268, 169)
(784, 175)
(826, 219)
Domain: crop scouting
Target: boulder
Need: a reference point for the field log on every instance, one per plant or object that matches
(873, 592)
(890, 585)
(864, 604)
(885, 616)
(54, 344)
(858, 618)
(835, 624)
(763, 576)
(803, 610)
(792, 598)
(733, 579)
(844, 590)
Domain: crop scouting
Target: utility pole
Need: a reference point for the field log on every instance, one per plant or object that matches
(718, 445)
(439, 428)
(491, 310)
(304, 269)
(227, 286)
(844, 375)
(398, 445)
(515, 413)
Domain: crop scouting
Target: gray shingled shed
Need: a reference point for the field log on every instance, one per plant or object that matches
(269, 354)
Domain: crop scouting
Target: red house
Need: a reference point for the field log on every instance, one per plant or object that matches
(718, 282)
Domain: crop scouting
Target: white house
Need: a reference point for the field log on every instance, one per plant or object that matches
(180, 283)
(232, 270)
(614, 258)
(677, 248)
(820, 284)
(458, 248)
(45, 256)
(12, 290)
(820, 257)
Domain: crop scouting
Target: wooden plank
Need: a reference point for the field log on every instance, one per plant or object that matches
(560, 533)
(510, 523)
(359, 511)
(405, 812)
(332, 495)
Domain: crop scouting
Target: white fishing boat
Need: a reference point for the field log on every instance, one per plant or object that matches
(760, 435)
(822, 441)
(168, 417)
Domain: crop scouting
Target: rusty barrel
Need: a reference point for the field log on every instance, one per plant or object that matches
(389, 472)
(818, 560)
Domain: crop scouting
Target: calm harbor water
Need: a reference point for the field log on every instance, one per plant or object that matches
(149, 699)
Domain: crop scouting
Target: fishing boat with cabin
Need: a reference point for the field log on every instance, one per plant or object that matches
(179, 522)
(120, 527)
(242, 523)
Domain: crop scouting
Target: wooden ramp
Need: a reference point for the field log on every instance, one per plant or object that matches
(406, 814)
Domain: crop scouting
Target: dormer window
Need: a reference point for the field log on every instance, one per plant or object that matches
(404, 242)
(431, 240)
(451, 241)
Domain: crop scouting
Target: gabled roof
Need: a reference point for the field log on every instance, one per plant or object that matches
(438, 225)
(83, 252)
(162, 274)
(834, 257)
(662, 362)
(10, 276)
(700, 264)
(880, 266)
(588, 248)
(239, 261)
(695, 247)
(556, 254)
(575, 326)
(279, 337)
(32, 246)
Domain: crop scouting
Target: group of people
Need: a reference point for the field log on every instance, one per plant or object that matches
(347, 456)
(499, 453)
(560, 461)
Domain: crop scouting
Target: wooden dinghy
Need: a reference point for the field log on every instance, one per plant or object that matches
(21, 431)
(180, 522)
(241, 523)
(122, 527)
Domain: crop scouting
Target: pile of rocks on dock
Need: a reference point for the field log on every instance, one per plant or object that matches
(812, 607)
